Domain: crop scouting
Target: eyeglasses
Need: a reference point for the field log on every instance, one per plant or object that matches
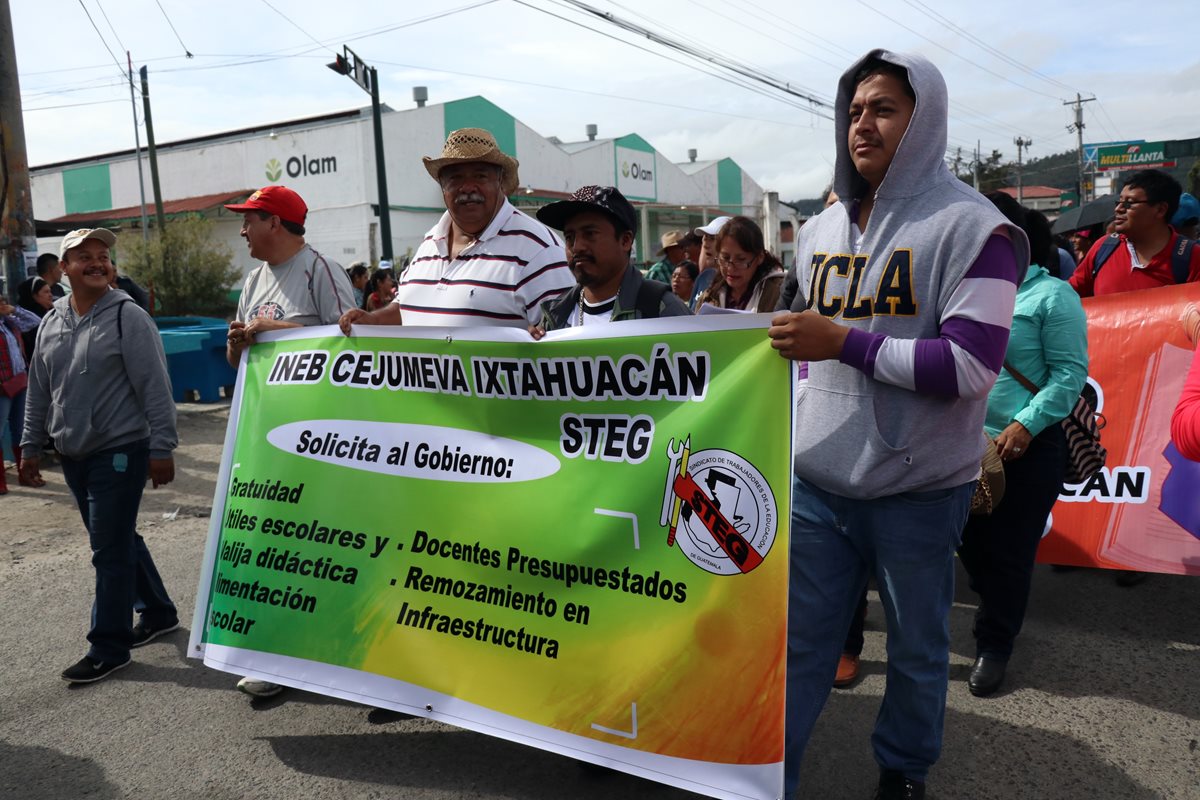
(1128, 204)
(740, 263)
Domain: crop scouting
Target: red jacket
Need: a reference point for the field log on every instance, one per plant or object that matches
(1185, 424)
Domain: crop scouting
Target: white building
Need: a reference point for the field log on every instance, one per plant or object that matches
(330, 161)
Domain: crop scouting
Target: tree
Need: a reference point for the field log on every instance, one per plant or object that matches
(190, 271)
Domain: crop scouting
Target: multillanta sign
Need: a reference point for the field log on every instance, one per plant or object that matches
(1132, 156)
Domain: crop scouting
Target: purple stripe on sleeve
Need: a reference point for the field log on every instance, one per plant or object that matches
(995, 261)
(986, 342)
(802, 370)
(860, 349)
(934, 371)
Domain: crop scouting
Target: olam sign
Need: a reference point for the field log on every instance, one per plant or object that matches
(1132, 156)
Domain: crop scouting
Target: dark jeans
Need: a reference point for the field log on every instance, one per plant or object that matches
(108, 489)
(998, 550)
(854, 637)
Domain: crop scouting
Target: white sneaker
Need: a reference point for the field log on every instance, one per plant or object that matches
(257, 688)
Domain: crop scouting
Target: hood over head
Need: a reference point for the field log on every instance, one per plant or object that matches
(920, 159)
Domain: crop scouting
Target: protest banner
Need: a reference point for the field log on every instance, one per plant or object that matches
(1142, 511)
(579, 544)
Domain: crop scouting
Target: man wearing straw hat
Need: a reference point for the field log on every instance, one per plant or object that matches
(484, 262)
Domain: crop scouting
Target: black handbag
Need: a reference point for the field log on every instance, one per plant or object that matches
(1085, 454)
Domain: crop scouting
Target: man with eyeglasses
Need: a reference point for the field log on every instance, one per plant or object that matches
(1144, 251)
(484, 262)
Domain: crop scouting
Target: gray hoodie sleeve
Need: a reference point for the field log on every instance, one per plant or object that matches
(37, 401)
(146, 366)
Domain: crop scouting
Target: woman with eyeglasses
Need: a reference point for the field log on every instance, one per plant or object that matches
(749, 277)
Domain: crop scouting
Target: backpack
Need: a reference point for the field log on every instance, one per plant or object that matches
(1181, 258)
(649, 299)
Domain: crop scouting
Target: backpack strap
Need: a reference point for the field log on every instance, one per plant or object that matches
(649, 299)
(1181, 259)
(1106, 249)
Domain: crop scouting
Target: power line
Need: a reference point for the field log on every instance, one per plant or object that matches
(956, 55)
(947, 23)
(116, 35)
(187, 53)
(741, 71)
(728, 79)
(102, 40)
(69, 105)
(293, 24)
(657, 103)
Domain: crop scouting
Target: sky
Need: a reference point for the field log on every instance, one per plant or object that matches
(1009, 67)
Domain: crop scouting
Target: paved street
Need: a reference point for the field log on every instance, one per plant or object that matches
(1103, 698)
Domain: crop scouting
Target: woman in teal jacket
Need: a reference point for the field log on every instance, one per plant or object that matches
(1048, 346)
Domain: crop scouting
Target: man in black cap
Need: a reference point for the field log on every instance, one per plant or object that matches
(599, 226)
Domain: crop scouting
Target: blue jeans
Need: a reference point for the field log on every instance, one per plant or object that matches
(907, 541)
(12, 411)
(108, 488)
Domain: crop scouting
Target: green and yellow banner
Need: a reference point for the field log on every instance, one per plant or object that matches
(579, 544)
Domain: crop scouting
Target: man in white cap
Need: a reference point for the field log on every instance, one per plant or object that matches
(98, 388)
(708, 254)
(484, 262)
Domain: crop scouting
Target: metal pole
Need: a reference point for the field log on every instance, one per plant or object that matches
(385, 211)
(137, 144)
(1021, 142)
(17, 234)
(159, 217)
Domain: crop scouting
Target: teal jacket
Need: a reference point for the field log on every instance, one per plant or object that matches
(1048, 345)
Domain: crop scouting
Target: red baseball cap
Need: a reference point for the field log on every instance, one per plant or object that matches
(278, 200)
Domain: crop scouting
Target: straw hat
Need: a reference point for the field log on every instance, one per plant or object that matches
(474, 144)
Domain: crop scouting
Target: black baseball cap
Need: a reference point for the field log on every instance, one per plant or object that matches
(591, 198)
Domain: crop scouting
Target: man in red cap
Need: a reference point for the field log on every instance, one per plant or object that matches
(295, 286)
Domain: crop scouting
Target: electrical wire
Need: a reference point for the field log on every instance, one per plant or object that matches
(1004, 78)
(116, 35)
(69, 105)
(102, 40)
(186, 53)
(947, 23)
(292, 23)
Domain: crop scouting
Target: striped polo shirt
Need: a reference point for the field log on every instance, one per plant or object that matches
(499, 280)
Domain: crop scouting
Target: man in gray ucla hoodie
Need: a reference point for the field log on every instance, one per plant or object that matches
(98, 389)
(900, 305)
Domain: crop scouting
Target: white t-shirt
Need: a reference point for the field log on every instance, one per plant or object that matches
(307, 289)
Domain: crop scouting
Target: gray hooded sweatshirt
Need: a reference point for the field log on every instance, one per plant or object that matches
(903, 409)
(99, 381)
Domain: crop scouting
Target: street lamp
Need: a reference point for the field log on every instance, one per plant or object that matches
(350, 64)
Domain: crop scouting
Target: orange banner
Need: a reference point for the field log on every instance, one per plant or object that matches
(1143, 511)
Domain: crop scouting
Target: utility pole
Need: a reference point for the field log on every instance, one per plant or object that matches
(368, 80)
(137, 144)
(1021, 142)
(159, 217)
(978, 165)
(1077, 128)
(18, 239)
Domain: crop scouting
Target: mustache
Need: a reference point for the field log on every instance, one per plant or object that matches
(469, 197)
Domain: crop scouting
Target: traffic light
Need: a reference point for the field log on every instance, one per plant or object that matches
(340, 65)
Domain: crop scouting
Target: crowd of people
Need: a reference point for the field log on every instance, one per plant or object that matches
(930, 323)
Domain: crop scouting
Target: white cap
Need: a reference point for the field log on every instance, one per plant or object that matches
(714, 227)
(78, 237)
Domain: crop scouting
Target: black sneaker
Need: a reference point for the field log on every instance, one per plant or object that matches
(85, 670)
(894, 786)
(144, 634)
